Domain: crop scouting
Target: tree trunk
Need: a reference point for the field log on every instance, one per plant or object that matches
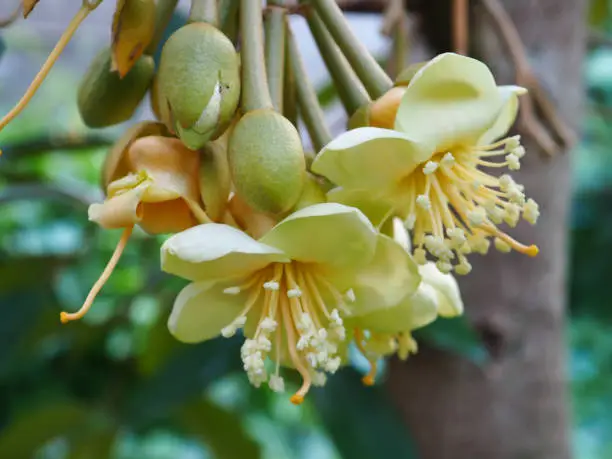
(515, 407)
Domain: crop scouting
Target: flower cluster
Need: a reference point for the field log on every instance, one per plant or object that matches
(303, 257)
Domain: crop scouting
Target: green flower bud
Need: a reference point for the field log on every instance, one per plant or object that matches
(104, 98)
(117, 163)
(215, 179)
(267, 161)
(198, 83)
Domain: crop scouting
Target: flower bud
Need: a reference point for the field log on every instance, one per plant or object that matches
(198, 83)
(381, 112)
(133, 28)
(267, 161)
(117, 163)
(384, 109)
(105, 99)
(311, 194)
(215, 179)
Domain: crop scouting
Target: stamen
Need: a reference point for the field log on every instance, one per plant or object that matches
(423, 201)
(370, 378)
(298, 397)
(294, 293)
(430, 167)
(531, 250)
(410, 221)
(74, 24)
(232, 290)
(350, 295)
(277, 383)
(108, 270)
(271, 285)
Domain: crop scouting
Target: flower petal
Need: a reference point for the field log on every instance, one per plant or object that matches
(329, 233)
(119, 211)
(370, 158)
(507, 116)
(451, 100)
(215, 251)
(376, 208)
(413, 312)
(449, 297)
(201, 310)
(386, 280)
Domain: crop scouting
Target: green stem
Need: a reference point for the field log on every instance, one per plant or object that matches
(255, 92)
(229, 18)
(204, 11)
(374, 78)
(350, 89)
(290, 110)
(275, 53)
(163, 14)
(308, 103)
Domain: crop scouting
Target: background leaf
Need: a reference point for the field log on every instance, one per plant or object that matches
(221, 430)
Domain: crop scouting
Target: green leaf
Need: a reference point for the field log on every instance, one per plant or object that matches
(97, 445)
(33, 428)
(454, 335)
(24, 291)
(361, 421)
(220, 430)
(187, 372)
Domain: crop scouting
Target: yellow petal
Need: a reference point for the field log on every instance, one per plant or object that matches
(166, 216)
(120, 211)
(169, 164)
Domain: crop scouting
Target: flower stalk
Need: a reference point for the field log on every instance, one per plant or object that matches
(274, 25)
(351, 92)
(308, 103)
(204, 11)
(255, 92)
(374, 78)
(86, 8)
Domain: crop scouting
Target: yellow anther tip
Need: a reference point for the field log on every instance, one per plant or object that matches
(368, 380)
(297, 399)
(532, 250)
(64, 317)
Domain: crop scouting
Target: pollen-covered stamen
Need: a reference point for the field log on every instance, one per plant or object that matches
(453, 206)
(292, 301)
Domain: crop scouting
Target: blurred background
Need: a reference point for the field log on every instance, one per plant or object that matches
(116, 385)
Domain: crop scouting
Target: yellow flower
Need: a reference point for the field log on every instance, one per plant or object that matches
(160, 193)
(289, 291)
(388, 331)
(429, 168)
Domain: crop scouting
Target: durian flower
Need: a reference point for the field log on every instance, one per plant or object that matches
(290, 291)
(159, 192)
(388, 331)
(429, 169)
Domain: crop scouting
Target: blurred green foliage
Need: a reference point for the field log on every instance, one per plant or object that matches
(117, 385)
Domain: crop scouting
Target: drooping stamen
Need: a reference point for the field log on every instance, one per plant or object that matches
(370, 378)
(74, 24)
(452, 207)
(298, 397)
(108, 270)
